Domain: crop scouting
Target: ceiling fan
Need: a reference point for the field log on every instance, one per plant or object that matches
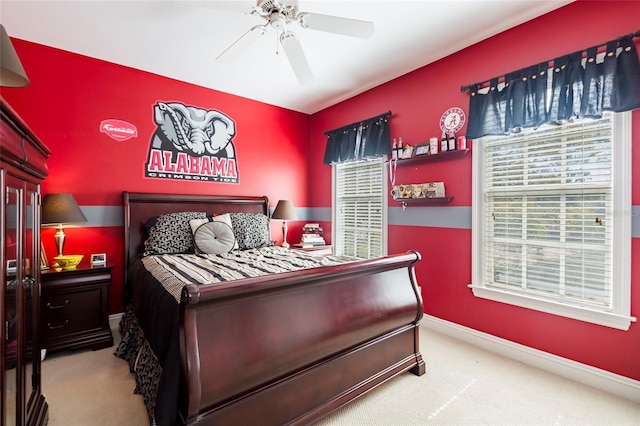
(278, 15)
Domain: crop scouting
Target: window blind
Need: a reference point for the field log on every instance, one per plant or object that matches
(359, 204)
(548, 212)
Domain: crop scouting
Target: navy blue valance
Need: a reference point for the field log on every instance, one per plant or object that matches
(581, 86)
(364, 139)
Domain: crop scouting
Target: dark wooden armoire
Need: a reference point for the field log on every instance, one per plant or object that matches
(22, 168)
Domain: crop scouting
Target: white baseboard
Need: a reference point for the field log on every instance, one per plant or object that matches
(114, 322)
(582, 373)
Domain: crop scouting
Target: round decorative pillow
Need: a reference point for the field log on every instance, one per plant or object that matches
(214, 238)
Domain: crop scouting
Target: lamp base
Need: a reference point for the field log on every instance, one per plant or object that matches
(285, 244)
(59, 237)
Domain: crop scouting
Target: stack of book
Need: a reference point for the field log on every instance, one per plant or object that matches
(312, 236)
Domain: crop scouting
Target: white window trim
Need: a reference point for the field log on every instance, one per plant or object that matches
(384, 205)
(621, 317)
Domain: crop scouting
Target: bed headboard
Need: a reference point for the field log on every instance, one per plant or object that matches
(140, 205)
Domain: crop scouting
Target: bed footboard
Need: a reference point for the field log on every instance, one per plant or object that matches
(292, 348)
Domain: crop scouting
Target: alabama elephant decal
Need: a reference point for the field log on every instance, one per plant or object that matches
(192, 144)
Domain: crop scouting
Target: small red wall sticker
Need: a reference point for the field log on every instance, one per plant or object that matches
(118, 130)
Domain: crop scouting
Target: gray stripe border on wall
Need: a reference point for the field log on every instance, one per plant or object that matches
(438, 217)
(103, 215)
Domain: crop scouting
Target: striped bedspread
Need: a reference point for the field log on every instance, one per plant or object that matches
(174, 271)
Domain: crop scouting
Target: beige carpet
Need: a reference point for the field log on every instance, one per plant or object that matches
(464, 385)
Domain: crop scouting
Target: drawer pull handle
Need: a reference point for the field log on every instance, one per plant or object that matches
(50, 306)
(53, 327)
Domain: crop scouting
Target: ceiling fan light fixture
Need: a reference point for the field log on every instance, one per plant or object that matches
(278, 14)
(278, 21)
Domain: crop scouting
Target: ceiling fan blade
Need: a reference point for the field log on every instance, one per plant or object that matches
(241, 44)
(337, 25)
(296, 57)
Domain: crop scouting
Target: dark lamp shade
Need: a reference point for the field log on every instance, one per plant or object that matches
(60, 209)
(11, 72)
(284, 211)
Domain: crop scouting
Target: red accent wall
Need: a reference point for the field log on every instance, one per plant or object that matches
(417, 101)
(71, 94)
(280, 154)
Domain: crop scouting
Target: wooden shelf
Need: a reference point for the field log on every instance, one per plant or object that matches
(427, 201)
(424, 158)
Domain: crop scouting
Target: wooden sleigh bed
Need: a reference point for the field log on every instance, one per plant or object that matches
(281, 348)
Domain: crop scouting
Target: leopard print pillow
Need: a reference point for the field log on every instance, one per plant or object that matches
(251, 230)
(171, 234)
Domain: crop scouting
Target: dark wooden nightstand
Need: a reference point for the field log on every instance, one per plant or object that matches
(75, 308)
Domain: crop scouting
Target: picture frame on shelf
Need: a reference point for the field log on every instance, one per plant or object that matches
(407, 153)
(423, 149)
(98, 259)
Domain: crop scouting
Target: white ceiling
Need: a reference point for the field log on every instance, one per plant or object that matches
(181, 39)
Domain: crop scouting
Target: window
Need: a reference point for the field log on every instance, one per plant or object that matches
(360, 209)
(552, 219)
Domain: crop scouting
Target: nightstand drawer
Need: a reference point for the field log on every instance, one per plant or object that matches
(71, 312)
(74, 308)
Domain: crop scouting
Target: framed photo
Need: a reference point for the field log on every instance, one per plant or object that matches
(44, 262)
(423, 149)
(98, 259)
(408, 152)
(12, 266)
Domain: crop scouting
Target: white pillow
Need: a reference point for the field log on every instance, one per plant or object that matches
(214, 238)
(195, 224)
(224, 218)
